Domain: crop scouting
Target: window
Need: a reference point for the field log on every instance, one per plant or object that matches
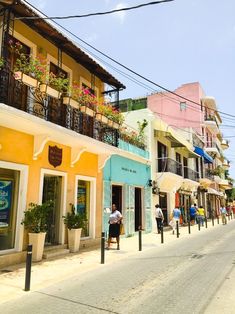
(9, 187)
(83, 202)
(183, 106)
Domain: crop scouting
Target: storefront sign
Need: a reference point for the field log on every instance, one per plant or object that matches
(5, 201)
(129, 170)
(55, 156)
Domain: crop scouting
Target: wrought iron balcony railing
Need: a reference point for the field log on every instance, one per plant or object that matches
(166, 164)
(191, 174)
(16, 94)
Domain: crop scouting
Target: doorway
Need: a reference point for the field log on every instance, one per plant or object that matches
(117, 196)
(163, 206)
(138, 209)
(52, 186)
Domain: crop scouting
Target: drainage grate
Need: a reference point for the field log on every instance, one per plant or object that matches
(197, 256)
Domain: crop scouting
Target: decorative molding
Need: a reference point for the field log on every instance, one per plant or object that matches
(39, 144)
(76, 153)
(102, 159)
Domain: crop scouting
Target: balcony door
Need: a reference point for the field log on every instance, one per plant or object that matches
(162, 156)
(185, 161)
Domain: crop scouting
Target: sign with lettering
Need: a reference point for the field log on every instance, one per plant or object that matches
(55, 156)
(5, 201)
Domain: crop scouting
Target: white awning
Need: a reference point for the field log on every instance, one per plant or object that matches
(213, 191)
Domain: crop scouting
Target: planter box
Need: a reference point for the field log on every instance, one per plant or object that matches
(74, 236)
(70, 101)
(26, 79)
(44, 88)
(87, 111)
(37, 240)
(116, 125)
(110, 123)
(101, 118)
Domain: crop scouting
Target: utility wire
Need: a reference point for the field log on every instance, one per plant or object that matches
(132, 71)
(92, 14)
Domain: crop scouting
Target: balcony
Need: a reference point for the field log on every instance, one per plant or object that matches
(211, 123)
(32, 101)
(191, 174)
(166, 164)
(212, 147)
(224, 144)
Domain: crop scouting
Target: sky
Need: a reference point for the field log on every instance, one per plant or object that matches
(171, 44)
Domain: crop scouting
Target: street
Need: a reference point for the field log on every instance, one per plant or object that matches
(186, 276)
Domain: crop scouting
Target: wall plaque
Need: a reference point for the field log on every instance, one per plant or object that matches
(55, 156)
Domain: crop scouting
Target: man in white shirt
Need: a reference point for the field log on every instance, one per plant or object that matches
(159, 217)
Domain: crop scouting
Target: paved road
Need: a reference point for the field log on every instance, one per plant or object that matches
(184, 278)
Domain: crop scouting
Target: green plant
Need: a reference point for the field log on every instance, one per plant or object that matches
(111, 113)
(141, 127)
(75, 220)
(60, 83)
(36, 217)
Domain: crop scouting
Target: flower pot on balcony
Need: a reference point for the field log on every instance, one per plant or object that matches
(116, 125)
(44, 88)
(101, 118)
(87, 111)
(110, 123)
(26, 79)
(70, 101)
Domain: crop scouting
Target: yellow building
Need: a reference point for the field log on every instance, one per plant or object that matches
(51, 148)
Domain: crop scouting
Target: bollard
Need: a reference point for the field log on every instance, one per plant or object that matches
(28, 267)
(189, 227)
(140, 239)
(177, 228)
(162, 237)
(217, 219)
(229, 217)
(199, 224)
(102, 247)
(212, 219)
(206, 222)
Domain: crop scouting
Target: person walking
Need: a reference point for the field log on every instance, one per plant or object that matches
(176, 213)
(201, 215)
(223, 213)
(159, 217)
(115, 220)
(192, 213)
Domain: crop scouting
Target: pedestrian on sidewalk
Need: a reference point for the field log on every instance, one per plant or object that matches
(201, 215)
(159, 217)
(115, 220)
(192, 212)
(175, 214)
(223, 213)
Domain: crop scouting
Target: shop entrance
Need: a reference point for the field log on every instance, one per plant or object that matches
(138, 209)
(52, 192)
(163, 206)
(117, 196)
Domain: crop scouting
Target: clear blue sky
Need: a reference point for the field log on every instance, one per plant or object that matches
(172, 43)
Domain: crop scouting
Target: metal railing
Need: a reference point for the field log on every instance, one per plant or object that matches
(166, 164)
(191, 174)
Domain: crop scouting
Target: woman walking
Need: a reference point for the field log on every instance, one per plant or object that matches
(115, 219)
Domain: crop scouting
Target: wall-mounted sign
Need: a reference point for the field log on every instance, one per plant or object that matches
(6, 188)
(129, 170)
(55, 156)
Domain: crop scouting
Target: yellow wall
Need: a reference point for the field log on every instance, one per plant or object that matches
(17, 147)
(44, 47)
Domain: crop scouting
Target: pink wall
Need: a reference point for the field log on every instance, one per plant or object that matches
(167, 106)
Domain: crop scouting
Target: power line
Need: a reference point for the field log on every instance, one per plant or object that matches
(92, 14)
(132, 71)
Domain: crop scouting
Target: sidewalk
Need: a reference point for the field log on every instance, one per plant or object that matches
(51, 271)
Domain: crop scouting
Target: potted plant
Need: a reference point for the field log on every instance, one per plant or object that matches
(75, 222)
(36, 222)
(54, 85)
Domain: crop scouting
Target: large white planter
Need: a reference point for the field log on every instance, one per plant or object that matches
(26, 79)
(101, 118)
(74, 236)
(44, 88)
(37, 240)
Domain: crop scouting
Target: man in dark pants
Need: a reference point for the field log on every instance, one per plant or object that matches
(159, 218)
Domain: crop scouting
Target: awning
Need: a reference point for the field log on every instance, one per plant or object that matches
(213, 191)
(176, 139)
(201, 152)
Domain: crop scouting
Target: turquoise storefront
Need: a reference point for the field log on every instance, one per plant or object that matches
(126, 184)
